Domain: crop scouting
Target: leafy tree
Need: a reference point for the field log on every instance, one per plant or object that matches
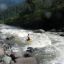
(35, 12)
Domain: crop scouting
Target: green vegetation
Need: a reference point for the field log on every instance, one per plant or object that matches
(31, 12)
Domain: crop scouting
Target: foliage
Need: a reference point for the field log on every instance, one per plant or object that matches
(32, 12)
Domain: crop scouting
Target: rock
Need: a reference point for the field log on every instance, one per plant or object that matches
(30, 49)
(29, 60)
(1, 51)
(27, 54)
(39, 31)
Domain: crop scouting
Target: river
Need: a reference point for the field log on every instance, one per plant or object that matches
(50, 46)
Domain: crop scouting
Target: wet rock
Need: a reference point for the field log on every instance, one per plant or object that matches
(27, 54)
(39, 31)
(30, 49)
(9, 38)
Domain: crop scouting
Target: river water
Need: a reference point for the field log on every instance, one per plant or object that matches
(50, 46)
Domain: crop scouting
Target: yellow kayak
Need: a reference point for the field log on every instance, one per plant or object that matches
(29, 41)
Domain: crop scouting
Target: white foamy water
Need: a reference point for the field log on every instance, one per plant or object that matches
(50, 46)
(38, 40)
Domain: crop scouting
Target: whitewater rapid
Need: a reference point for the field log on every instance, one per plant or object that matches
(50, 47)
(38, 40)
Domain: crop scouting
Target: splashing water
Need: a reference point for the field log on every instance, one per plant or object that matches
(38, 40)
(50, 47)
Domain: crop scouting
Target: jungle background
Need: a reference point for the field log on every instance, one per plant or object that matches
(35, 14)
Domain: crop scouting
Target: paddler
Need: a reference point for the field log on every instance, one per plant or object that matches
(28, 39)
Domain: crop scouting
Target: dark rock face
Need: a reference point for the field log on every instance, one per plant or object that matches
(30, 49)
(27, 54)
